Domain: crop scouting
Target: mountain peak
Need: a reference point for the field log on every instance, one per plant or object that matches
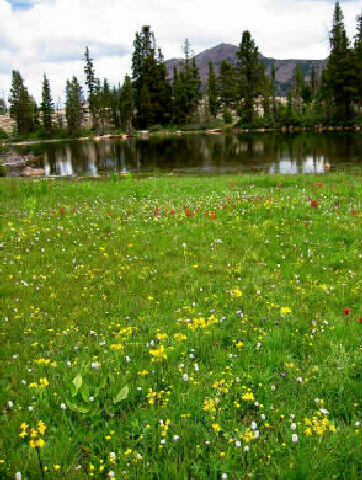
(284, 69)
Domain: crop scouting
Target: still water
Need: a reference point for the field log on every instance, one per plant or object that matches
(303, 152)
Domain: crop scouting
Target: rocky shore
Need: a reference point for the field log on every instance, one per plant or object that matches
(24, 166)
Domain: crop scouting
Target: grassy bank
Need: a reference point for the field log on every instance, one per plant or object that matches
(170, 327)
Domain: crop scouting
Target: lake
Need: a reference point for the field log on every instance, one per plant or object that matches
(303, 152)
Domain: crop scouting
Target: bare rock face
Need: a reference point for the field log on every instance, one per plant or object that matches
(6, 123)
(32, 172)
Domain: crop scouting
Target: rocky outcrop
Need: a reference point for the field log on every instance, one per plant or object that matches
(26, 166)
(32, 172)
(6, 123)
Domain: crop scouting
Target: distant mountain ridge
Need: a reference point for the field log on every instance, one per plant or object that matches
(284, 69)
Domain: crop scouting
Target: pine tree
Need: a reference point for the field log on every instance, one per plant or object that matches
(93, 88)
(358, 62)
(273, 92)
(212, 91)
(298, 89)
(104, 106)
(144, 48)
(3, 109)
(114, 102)
(340, 74)
(188, 84)
(307, 91)
(143, 115)
(227, 84)
(22, 106)
(248, 64)
(47, 107)
(74, 106)
(126, 104)
(265, 91)
(152, 93)
(290, 112)
(314, 80)
(90, 79)
(194, 88)
(179, 98)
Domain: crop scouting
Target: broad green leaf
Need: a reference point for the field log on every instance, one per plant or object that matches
(77, 408)
(121, 395)
(73, 390)
(77, 382)
(85, 392)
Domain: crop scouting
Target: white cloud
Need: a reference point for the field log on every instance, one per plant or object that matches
(51, 35)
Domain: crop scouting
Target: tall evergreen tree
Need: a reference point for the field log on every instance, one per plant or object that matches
(298, 89)
(114, 104)
(358, 62)
(105, 106)
(3, 108)
(212, 91)
(340, 74)
(74, 106)
(314, 80)
(179, 97)
(227, 84)
(93, 88)
(126, 104)
(187, 83)
(266, 93)
(22, 106)
(194, 87)
(273, 92)
(248, 64)
(152, 93)
(90, 78)
(47, 107)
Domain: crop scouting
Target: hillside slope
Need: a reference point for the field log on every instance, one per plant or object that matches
(284, 68)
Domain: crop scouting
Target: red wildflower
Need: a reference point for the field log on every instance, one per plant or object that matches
(314, 203)
(172, 212)
(360, 320)
(306, 224)
(61, 211)
(346, 311)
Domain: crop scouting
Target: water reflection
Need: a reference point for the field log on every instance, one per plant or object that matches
(269, 152)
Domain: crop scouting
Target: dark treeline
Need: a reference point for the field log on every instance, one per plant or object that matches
(244, 94)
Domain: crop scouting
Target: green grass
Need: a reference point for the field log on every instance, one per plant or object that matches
(187, 307)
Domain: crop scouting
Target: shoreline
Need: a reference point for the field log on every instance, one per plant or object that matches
(219, 131)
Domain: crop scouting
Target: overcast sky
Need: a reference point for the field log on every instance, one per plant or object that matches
(38, 36)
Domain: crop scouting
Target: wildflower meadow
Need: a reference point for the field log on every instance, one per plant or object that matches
(182, 327)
